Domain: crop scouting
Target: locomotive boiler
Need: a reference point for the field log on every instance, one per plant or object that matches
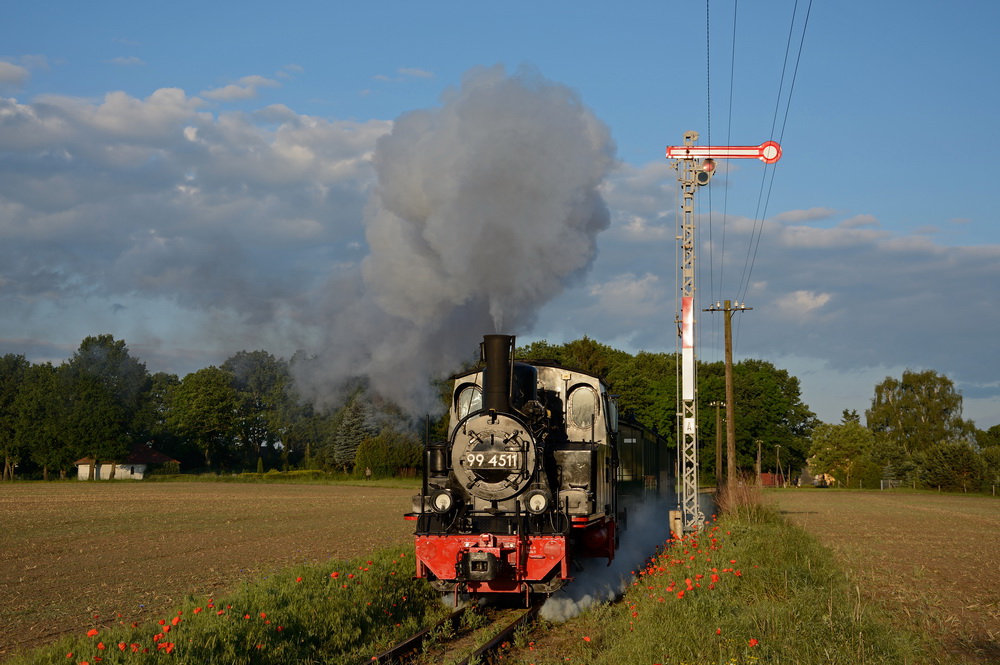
(537, 473)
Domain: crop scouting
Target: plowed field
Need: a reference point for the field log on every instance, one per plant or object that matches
(69, 551)
(930, 559)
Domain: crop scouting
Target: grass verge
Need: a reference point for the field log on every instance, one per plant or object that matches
(335, 612)
(751, 588)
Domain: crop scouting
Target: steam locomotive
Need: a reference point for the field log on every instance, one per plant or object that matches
(537, 473)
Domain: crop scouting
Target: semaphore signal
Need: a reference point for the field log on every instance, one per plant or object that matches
(695, 166)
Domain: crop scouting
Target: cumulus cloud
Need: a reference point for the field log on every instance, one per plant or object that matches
(272, 229)
(233, 217)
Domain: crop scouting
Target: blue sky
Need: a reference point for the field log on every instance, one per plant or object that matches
(198, 179)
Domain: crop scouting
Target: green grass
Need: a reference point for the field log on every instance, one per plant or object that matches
(337, 612)
(778, 598)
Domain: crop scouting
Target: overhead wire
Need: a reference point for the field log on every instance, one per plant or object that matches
(764, 194)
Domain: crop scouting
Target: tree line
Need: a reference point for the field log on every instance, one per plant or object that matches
(243, 415)
(914, 435)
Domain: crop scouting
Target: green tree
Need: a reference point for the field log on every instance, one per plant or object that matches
(769, 409)
(261, 381)
(988, 438)
(203, 408)
(918, 411)
(952, 465)
(41, 419)
(991, 465)
(840, 449)
(12, 370)
(355, 427)
(106, 387)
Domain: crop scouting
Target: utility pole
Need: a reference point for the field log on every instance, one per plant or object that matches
(727, 308)
(777, 460)
(695, 166)
(758, 462)
(718, 442)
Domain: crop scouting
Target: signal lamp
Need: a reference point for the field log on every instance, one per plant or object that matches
(705, 174)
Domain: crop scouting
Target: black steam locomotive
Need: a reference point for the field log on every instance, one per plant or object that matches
(538, 471)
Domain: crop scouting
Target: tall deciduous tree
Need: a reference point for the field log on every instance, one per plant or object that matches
(203, 408)
(837, 449)
(918, 411)
(769, 410)
(12, 371)
(41, 419)
(261, 381)
(106, 389)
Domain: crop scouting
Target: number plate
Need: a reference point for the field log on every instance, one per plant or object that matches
(493, 460)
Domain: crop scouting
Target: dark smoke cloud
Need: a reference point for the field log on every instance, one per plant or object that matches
(485, 209)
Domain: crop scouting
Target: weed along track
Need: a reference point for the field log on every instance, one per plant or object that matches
(467, 635)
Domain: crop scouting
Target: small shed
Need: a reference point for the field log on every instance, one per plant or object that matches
(133, 467)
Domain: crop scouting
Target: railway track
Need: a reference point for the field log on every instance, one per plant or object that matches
(450, 640)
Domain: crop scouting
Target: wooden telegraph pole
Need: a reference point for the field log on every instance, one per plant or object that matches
(727, 307)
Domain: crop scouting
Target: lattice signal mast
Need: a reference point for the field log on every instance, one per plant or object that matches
(695, 166)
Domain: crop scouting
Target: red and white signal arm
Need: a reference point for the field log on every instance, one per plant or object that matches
(768, 152)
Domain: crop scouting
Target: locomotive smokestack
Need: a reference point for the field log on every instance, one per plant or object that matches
(498, 352)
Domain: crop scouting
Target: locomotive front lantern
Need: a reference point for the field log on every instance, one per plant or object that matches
(537, 501)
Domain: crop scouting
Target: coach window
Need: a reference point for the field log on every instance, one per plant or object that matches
(468, 400)
(583, 407)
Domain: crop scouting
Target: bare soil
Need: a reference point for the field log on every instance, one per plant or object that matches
(932, 560)
(78, 555)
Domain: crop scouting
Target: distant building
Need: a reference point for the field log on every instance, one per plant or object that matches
(133, 467)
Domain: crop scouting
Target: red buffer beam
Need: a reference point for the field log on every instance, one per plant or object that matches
(768, 152)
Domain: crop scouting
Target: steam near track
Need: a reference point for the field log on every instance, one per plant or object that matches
(485, 209)
(599, 582)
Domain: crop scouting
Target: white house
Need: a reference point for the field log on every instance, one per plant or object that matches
(132, 467)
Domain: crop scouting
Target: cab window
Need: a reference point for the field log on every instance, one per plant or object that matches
(469, 399)
(583, 407)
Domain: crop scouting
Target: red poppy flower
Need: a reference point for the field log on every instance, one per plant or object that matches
(586, 639)
(334, 574)
(100, 645)
(298, 579)
(92, 632)
(753, 641)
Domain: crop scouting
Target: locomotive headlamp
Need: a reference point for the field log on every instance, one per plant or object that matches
(442, 501)
(536, 501)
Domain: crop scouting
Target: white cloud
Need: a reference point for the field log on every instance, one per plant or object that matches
(802, 216)
(126, 61)
(246, 88)
(11, 74)
(801, 305)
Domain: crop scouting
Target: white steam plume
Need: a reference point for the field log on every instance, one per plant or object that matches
(485, 209)
(649, 527)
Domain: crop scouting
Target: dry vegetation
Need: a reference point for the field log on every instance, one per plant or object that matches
(930, 559)
(69, 551)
